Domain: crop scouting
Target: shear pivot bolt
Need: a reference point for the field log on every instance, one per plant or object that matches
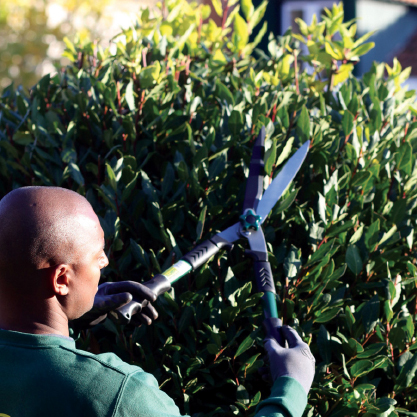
(250, 220)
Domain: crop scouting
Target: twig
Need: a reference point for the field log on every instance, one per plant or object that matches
(297, 87)
(225, 13)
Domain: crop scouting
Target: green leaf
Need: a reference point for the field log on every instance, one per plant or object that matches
(181, 41)
(303, 124)
(389, 314)
(361, 50)
(353, 259)
(154, 261)
(407, 373)
(109, 202)
(111, 176)
(69, 155)
(404, 158)
(371, 351)
(372, 234)
(242, 395)
(235, 122)
(342, 74)
(23, 139)
(224, 93)
(338, 228)
(217, 166)
(350, 318)
(247, 8)
(292, 262)
(168, 180)
(363, 38)
(412, 269)
(320, 253)
(324, 344)
(200, 224)
(229, 20)
(130, 97)
(397, 336)
(327, 315)
(286, 203)
(190, 138)
(388, 235)
(148, 187)
(186, 319)
(361, 367)
(398, 212)
(383, 406)
(260, 35)
(255, 400)
(229, 314)
(257, 16)
(76, 173)
(140, 255)
(354, 347)
(212, 349)
(217, 5)
(322, 208)
(285, 152)
(370, 314)
(347, 122)
(270, 158)
(357, 235)
(409, 327)
(361, 178)
(244, 346)
(240, 34)
(148, 76)
(130, 187)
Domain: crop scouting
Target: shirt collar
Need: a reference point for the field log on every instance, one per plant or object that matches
(36, 340)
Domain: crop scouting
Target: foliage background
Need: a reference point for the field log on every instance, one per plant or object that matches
(33, 31)
(158, 137)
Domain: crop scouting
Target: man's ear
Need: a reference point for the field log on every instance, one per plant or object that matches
(61, 279)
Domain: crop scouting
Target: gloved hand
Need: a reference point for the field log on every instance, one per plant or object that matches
(295, 361)
(112, 295)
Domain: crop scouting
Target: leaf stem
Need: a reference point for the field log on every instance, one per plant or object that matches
(225, 13)
(297, 87)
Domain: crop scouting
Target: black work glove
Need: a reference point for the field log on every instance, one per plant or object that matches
(112, 295)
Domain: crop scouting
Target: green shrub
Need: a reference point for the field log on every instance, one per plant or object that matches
(158, 136)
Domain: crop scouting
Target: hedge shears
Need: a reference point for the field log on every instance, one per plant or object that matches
(256, 208)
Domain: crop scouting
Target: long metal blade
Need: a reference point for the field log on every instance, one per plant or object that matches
(231, 233)
(257, 241)
(254, 184)
(280, 183)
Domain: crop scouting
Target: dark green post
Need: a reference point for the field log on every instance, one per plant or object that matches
(273, 19)
(350, 9)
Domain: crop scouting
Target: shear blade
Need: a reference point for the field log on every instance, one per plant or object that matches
(254, 184)
(232, 233)
(280, 183)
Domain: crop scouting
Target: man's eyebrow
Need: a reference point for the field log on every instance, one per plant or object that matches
(102, 247)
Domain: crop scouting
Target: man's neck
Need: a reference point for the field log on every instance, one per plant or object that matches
(26, 317)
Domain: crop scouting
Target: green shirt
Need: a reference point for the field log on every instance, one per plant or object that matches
(46, 376)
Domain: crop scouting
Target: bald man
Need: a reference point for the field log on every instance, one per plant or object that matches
(51, 255)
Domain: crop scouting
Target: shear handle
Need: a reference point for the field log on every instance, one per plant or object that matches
(158, 285)
(205, 250)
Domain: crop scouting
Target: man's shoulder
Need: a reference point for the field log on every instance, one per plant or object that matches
(108, 361)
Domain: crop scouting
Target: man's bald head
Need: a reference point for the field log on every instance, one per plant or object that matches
(39, 228)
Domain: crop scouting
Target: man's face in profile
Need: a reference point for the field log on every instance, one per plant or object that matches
(89, 260)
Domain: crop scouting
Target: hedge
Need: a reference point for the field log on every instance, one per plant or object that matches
(157, 131)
